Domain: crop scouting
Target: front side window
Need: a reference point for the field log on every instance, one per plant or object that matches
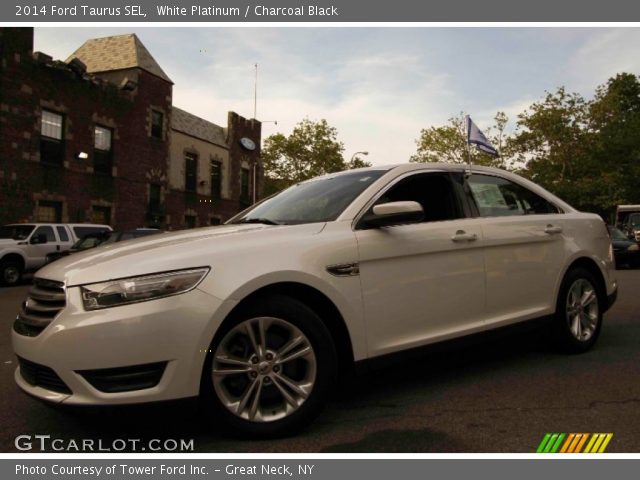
(52, 138)
(47, 232)
(433, 191)
(499, 197)
(102, 155)
(190, 172)
(319, 200)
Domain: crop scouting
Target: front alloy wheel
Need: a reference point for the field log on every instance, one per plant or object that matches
(264, 369)
(270, 368)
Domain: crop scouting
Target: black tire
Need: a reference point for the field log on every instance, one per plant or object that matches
(310, 324)
(10, 272)
(564, 335)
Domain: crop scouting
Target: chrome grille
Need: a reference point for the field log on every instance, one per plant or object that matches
(45, 300)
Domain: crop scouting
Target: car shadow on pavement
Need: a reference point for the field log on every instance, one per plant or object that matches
(373, 391)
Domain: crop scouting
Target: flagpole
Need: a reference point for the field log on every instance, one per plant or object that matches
(468, 131)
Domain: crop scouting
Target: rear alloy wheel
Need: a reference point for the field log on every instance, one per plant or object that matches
(270, 372)
(579, 312)
(10, 273)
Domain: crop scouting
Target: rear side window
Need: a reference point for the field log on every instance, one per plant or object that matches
(82, 231)
(62, 233)
(499, 197)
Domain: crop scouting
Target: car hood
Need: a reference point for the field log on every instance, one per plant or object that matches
(8, 242)
(164, 252)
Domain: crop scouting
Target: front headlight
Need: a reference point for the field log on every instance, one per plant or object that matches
(633, 248)
(140, 289)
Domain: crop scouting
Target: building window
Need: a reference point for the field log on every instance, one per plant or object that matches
(216, 179)
(154, 198)
(190, 221)
(101, 215)
(52, 138)
(244, 185)
(102, 154)
(49, 212)
(157, 124)
(190, 172)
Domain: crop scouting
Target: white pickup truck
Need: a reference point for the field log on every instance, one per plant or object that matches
(24, 246)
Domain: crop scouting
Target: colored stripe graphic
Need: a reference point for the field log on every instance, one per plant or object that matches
(574, 443)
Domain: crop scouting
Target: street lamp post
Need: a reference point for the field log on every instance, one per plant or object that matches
(358, 153)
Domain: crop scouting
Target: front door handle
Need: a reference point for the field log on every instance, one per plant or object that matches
(552, 230)
(462, 236)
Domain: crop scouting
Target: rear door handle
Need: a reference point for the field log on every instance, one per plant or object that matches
(462, 236)
(552, 230)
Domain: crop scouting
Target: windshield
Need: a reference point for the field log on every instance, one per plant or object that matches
(16, 232)
(318, 200)
(617, 234)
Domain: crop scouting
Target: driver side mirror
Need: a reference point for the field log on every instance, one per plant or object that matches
(38, 239)
(393, 213)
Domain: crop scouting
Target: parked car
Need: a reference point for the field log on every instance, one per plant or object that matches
(625, 251)
(92, 240)
(259, 315)
(24, 246)
(628, 220)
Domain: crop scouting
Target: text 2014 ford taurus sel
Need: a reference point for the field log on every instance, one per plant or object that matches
(259, 315)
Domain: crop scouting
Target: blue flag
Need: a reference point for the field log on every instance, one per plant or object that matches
(477, 138)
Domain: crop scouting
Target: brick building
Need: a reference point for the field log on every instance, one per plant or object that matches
(96, 138)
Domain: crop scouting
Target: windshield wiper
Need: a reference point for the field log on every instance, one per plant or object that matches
(266, 221)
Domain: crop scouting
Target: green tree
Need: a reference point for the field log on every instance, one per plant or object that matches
(310, 150)
(448, 143)
(615, 126)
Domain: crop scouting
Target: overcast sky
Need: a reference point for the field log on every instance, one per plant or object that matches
(377, 86)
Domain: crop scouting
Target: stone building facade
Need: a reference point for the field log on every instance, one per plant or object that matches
(96, 139)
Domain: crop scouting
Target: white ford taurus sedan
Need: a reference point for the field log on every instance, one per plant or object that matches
(259, 315)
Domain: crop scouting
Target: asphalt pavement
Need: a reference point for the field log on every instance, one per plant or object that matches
(501, 396)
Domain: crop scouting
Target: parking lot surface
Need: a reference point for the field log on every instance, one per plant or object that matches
(501, 396)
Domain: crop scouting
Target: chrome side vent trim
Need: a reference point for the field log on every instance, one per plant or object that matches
(344, 269)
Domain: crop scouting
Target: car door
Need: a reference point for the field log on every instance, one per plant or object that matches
(64, 238)
(524, 248)
(421, 282)
(37, 252)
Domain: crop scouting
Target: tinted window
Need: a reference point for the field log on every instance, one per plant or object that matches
(433, 191)
(16, 232)
(318, 200)
(62, 233)
(498, 197)
(82, 231)
(47, 231)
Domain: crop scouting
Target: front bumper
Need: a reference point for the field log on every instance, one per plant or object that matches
(176, 331)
